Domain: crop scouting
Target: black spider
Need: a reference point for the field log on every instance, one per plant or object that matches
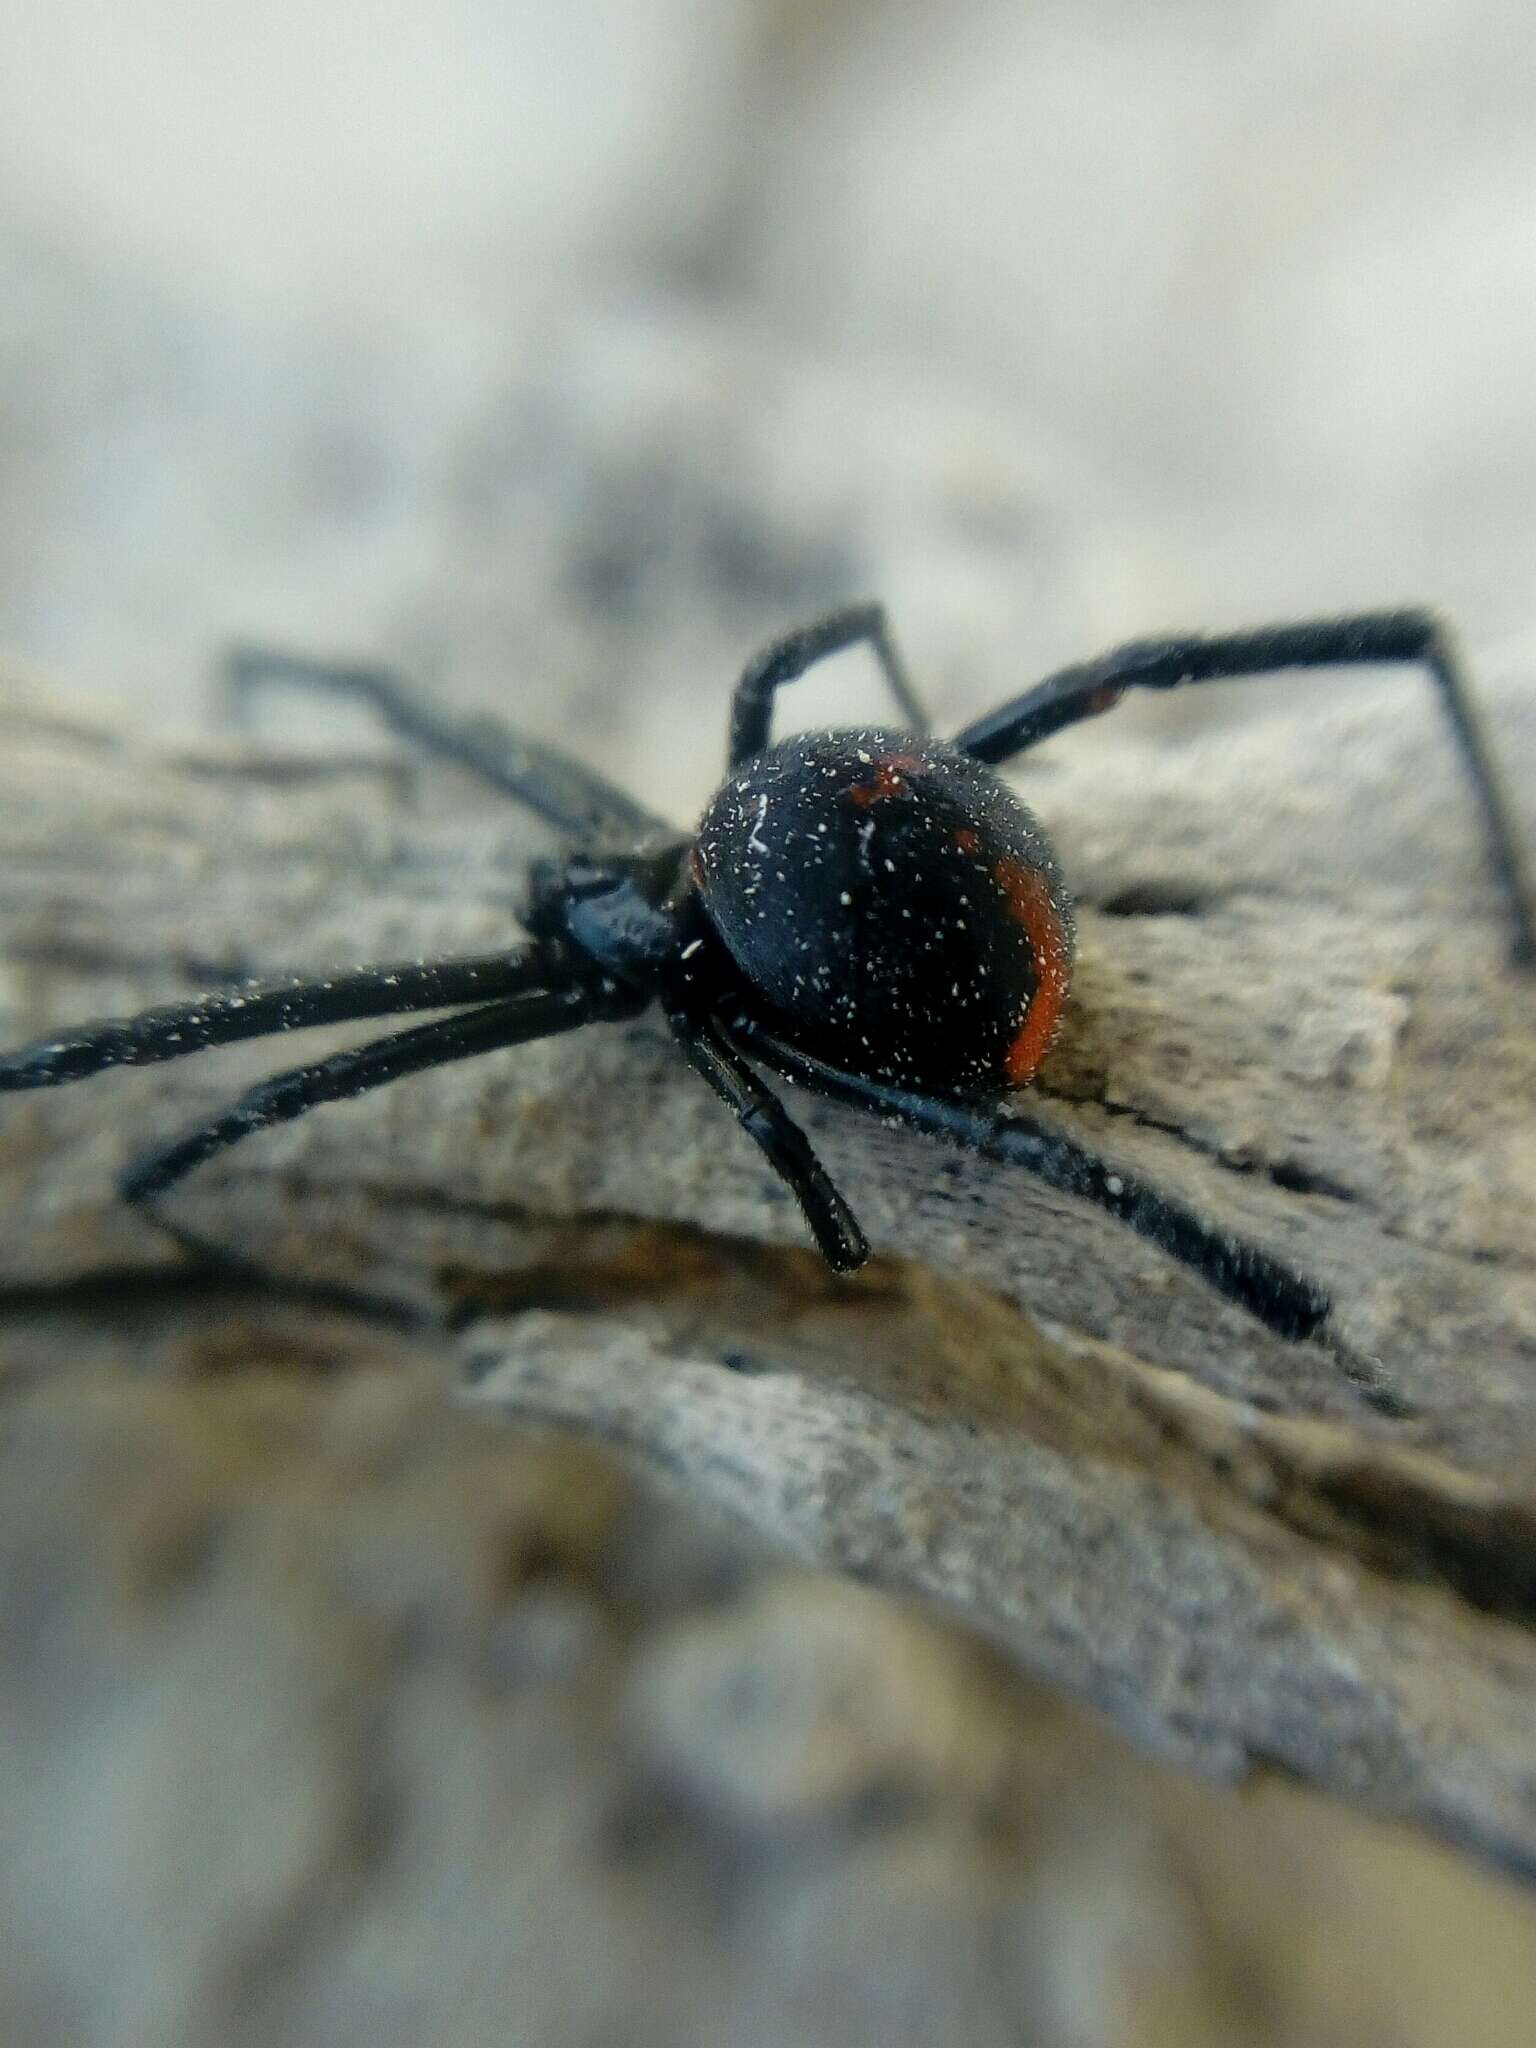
(872, 914)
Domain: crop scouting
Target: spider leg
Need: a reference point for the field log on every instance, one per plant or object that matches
(575, 800)
(787, 659)
(1280, 1297)
(1364, 639)
(782, 1142)
(347, 1074)
(259, 1009)
(343, 1076)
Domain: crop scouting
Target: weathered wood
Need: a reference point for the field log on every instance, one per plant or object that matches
(1292, 1008)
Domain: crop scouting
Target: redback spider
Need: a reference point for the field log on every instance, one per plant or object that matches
(872, 915)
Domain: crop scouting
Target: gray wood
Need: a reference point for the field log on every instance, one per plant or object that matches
(1291, 1007)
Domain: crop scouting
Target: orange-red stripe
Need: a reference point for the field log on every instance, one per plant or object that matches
(1030, 905)
(889, 779)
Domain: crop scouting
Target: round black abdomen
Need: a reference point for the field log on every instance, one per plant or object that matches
(895, 909)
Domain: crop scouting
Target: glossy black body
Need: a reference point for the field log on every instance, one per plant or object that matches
(892, 908)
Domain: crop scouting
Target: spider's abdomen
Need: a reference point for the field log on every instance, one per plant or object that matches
(895, 908)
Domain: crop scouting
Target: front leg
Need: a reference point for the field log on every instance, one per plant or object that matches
(494, 1027)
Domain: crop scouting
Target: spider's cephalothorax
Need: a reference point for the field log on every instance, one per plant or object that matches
(893, 907)
(870, 914)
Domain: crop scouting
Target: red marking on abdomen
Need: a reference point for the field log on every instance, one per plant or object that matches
(890, 775)
(967, 840)
(1030, 906)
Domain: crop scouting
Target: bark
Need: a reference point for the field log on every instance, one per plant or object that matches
(1292, 1008)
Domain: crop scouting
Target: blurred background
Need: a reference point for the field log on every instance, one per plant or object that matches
(567, 351)
(591, 341)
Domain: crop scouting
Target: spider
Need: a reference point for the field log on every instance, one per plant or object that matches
(870, 914)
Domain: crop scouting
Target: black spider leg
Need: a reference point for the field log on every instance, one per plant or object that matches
(787, 659)
(260, 1009)
(347, 1074)
(1265, 1286)
(574, 799)
(782, 1142)
(1364, 639)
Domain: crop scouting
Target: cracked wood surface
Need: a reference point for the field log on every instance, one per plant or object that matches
(1291, 1008)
